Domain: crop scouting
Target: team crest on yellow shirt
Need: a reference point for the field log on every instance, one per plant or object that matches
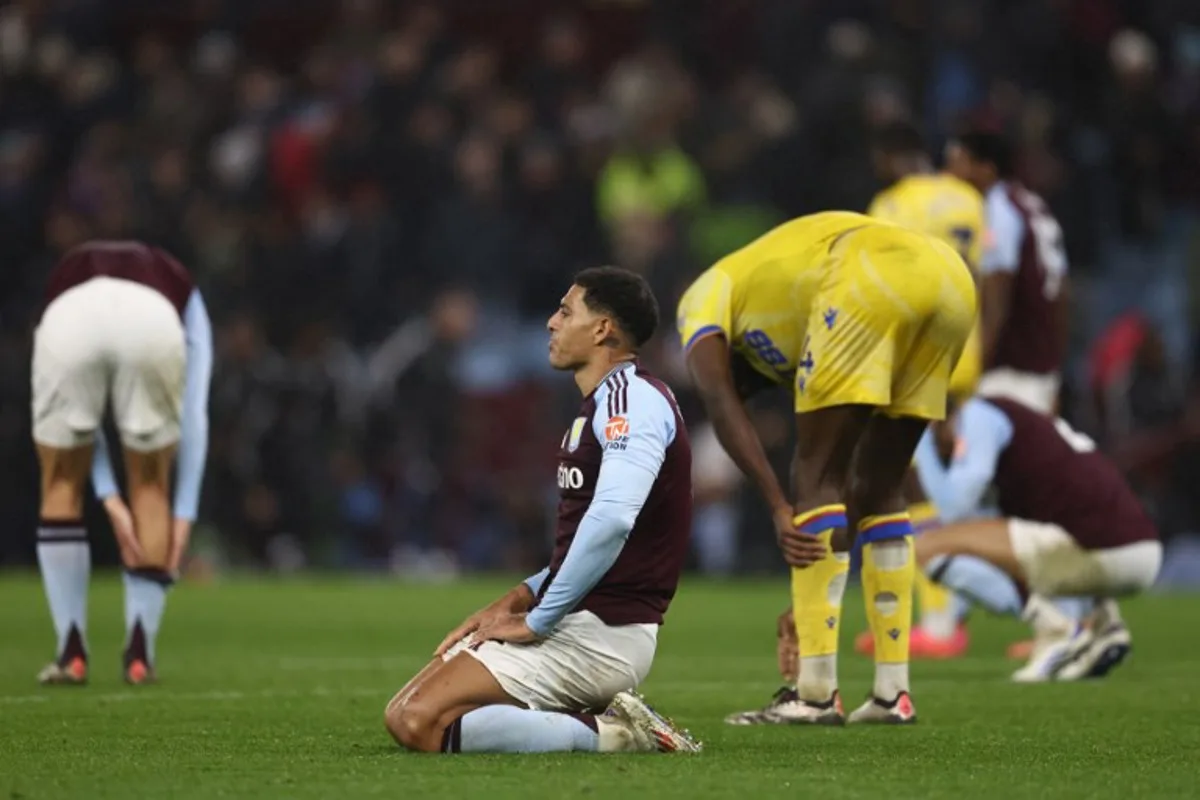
(575, 434)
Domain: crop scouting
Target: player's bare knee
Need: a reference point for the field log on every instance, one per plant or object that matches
(414, 725)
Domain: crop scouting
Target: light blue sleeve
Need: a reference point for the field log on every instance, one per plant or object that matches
(534, 582)
(628, 469)
(958, 489)
(1006, 230)
(104, 483)
(193, 439)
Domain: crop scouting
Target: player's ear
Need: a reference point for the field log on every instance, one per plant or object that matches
(606, 332)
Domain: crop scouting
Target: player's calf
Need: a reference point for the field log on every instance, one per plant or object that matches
(148, 581)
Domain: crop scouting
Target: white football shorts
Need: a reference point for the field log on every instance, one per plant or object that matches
(581, 666)
(108, 337)
(1039, 392)
(1056, 566)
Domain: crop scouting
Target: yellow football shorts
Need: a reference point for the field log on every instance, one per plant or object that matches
(887, 324)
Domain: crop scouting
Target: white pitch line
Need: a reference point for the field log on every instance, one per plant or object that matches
(75, 694)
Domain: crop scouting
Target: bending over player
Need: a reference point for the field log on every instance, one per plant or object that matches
(532, 671)
(866, 320)
(1070, 526)
(122, 320)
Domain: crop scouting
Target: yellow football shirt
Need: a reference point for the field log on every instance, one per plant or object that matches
(849, 309)
(939, 205)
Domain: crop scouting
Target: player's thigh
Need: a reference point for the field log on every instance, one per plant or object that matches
(826, 439)
(581, 666)
(986, 539)
(69, 372)
(882, 461)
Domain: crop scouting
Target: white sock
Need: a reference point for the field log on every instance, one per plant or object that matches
(508, 729)
(1074, 607)
(1107, 613)
(145, 599)
(818, 677)
(985, 583)
(1046, 619)
(65, 560)
(891, 680)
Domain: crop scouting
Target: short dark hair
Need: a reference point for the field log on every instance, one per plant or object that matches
(899, 137)
(623, 295)
(990, 147)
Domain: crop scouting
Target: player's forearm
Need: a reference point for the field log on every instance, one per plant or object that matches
(104, 483)
(955, 491)
(737, 436)
(597, 545)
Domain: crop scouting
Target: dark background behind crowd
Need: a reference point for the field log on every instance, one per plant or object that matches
(383, 201)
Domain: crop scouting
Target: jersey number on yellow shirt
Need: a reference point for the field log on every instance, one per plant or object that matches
(761, 344)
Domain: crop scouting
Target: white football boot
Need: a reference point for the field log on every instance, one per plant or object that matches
(1051, 651)
(900, 711)
(1110, 643)
(792, 710)
(630, 725)
(766, 715)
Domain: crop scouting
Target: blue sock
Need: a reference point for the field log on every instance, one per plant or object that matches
(987, 585)
(1074, 607)
(508, 729)
(145, 599)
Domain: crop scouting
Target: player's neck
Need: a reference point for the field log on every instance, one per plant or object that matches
(588, 377)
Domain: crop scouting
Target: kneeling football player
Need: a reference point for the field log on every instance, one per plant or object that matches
(551, 665)
(1070, 527)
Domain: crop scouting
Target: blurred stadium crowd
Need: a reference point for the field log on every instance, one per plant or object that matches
(382, 203)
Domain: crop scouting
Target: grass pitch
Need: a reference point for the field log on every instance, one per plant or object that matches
(276, 689)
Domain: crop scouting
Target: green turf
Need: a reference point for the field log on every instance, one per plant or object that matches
(276, 689)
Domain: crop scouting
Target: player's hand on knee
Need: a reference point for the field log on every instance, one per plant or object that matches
(800, 549)
(506, 628)
(121, 519)
(467, 628)
(787, 648)
(181, 535)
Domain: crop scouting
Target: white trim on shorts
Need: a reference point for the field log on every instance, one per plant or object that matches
(1030, 389)
(1056, 565)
